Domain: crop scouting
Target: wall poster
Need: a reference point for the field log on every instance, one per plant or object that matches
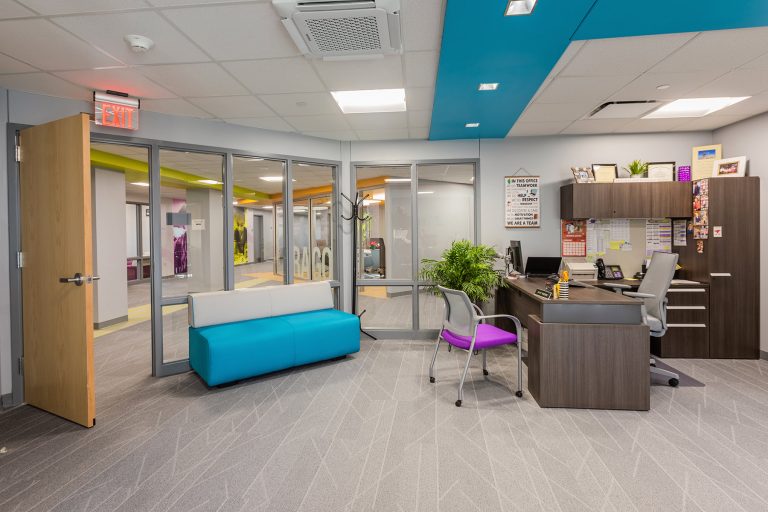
(241, 236)
(522, 201)
(573, 237)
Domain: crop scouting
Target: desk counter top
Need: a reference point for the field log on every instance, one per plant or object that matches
(577, 295)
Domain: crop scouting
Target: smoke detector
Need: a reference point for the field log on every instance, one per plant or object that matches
(139, 44)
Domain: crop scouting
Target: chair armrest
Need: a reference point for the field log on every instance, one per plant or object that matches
(639, 295)
(618, 288)
(479, 312)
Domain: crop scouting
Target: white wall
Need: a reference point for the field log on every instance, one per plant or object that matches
(749, 138)
(109, 241)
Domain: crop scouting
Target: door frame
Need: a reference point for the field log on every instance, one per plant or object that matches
(159, 368)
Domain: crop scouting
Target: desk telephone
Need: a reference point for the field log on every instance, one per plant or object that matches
(610, 272)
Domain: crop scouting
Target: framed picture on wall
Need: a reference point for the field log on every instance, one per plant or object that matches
(605, 173)
(661, 171)
(730, 167)
(703, 159)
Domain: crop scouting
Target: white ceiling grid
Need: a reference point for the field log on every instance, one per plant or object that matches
(693, 65)
(222, 59)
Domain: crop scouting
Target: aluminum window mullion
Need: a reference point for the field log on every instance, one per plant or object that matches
(156, 260)
(414, 245)
(288, 263)
(229, 233)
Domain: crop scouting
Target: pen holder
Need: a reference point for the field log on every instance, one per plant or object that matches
(564, 290)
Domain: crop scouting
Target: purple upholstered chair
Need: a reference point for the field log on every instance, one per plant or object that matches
(464, 327)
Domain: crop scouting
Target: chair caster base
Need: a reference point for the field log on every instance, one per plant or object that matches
(519, 394)
(432, 380)
(485, 372)
(458, 403)
(674, 382)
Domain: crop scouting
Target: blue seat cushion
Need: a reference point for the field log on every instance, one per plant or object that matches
(230, 352)
(323, 334)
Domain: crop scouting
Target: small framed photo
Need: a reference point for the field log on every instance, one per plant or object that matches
(583, 174)
(728, 167)
(661, 171)
(605, 173)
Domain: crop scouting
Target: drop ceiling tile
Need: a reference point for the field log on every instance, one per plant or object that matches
(420, 69)
(240, 32)
(346, 75)
(710, 122)
(545, 112)
(422, 22)
(123, 80)
(418, 133)
(276, 76)
(650, 125)
(42, 44)
(304, 104)
(383, 134)
(10, 9)
(328, 122)
(174, 3)
(522, 129)
(590, 126)
(43, 83)
(334, 135)
(717, 50)
(265, 123)
(195, 80)
(233, 106)
(378, 121)
(106, 31)
(420, 98)
(680, 84)
(10, 65)
(624, 55)
(419, 118)
(582, 89)
(741, 82)
(52, 7)
(749, 107)
(568, 55)
(758, 63)
(174, 106)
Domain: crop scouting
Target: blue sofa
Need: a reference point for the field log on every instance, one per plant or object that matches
(238, 334)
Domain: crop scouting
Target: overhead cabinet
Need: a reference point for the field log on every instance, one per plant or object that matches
(647, 200)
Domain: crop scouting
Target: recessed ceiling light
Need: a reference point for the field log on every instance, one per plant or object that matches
(488, 87)
(426, 191)
(396, 180)
(663, 87)
(234, 203)
(272, 179)
(141, 184)
(379, 197)
(520, 7)
(209, 182)
(266, 207)
(693, 107)
(369, 202)
(376, 100)
(472, 125)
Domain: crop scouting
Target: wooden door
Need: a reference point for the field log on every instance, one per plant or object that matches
(55, 193)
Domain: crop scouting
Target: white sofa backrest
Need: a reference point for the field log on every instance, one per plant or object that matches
(213, 308)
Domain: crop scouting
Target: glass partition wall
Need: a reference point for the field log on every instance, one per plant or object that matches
(412, 212)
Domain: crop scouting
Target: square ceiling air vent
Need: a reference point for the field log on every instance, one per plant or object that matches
(623, 109)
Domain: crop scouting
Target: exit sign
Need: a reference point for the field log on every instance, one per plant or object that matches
(116, 111)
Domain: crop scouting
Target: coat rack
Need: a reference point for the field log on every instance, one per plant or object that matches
(356, 217)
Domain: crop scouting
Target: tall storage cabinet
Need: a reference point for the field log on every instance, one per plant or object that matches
(731, 265)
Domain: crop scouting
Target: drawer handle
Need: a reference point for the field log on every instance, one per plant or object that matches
(720, 274)
(686, 290)
(686, 307)
(686, 325)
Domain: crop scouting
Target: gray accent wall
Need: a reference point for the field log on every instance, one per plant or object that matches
(748, 138)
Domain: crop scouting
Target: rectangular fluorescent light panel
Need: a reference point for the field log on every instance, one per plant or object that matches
(209, 182)
(272, 179)
(472, 125)
(693, 107)
(488, 87)
(397, 180)
(375, 100)
(140, 184)
(520, 7)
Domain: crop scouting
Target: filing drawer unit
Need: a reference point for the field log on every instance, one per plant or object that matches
(688, 322)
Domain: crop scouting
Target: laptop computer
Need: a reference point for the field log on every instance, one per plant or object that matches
(540, 266)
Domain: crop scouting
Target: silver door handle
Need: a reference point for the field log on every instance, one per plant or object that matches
(77, 279)
(91, 279)
(720, 274)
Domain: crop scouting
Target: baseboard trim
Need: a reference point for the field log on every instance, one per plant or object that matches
(102, 325)
(764, 355)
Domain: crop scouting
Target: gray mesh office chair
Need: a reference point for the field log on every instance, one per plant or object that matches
(464, 327)
(653, 291)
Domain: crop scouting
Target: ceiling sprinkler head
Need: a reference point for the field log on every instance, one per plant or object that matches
(139, 44)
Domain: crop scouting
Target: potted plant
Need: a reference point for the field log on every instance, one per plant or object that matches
(637, 169)
(466, 267)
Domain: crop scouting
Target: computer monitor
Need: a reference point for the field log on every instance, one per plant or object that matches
(542, 266)
(514, 256)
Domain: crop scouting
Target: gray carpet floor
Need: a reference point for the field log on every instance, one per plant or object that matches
(370, 433)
